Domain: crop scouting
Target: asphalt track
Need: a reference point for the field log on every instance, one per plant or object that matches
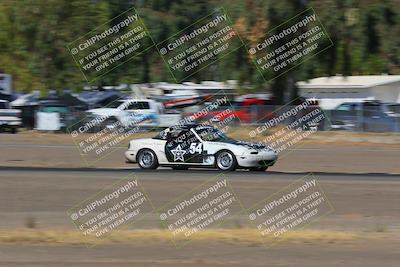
(322, 158)
(46, 194)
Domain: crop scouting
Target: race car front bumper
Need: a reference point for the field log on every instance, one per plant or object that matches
(130, 156)
(262, 159)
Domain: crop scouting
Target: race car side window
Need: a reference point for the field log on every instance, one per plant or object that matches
(161, 135)
(174, 134)
(168, 134)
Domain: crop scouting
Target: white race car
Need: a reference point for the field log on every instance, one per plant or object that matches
(197, 145)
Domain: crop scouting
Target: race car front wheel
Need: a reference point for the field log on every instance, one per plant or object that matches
(147, 159)
(226, 161)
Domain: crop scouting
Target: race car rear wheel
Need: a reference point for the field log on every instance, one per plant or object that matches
(147, 159)
(226, 161)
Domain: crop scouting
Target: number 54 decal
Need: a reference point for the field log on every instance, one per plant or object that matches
(196, 148)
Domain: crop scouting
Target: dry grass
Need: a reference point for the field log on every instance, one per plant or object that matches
(246, 236)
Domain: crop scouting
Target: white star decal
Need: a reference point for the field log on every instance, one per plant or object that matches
(178, 153)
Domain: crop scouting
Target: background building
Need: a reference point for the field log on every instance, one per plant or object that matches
(332, 91)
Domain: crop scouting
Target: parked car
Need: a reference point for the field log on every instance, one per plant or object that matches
(197, 145)
(53, 115)
(142, 112)
(372, 116)
(393, 109)
(246, 111)
(10, 119)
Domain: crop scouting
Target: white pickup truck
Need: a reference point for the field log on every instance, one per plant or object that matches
(10, 119)
(146, 112)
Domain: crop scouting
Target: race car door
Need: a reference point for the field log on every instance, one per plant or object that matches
(184, 147)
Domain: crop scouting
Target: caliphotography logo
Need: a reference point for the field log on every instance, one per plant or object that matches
(116, 206)
(199, 45)
(205, 207)
(290, 44)
(110, 45)
(293, 207)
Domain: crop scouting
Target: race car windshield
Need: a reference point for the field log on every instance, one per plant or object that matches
(212, 134)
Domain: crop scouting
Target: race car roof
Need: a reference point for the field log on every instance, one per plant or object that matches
(189, 126)
(179, 128)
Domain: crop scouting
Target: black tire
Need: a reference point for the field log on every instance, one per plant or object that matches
(14, 130)
(179, 167)
(258, 169)
(147, 159)
(225, 161)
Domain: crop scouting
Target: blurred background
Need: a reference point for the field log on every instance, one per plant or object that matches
(356, 81)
